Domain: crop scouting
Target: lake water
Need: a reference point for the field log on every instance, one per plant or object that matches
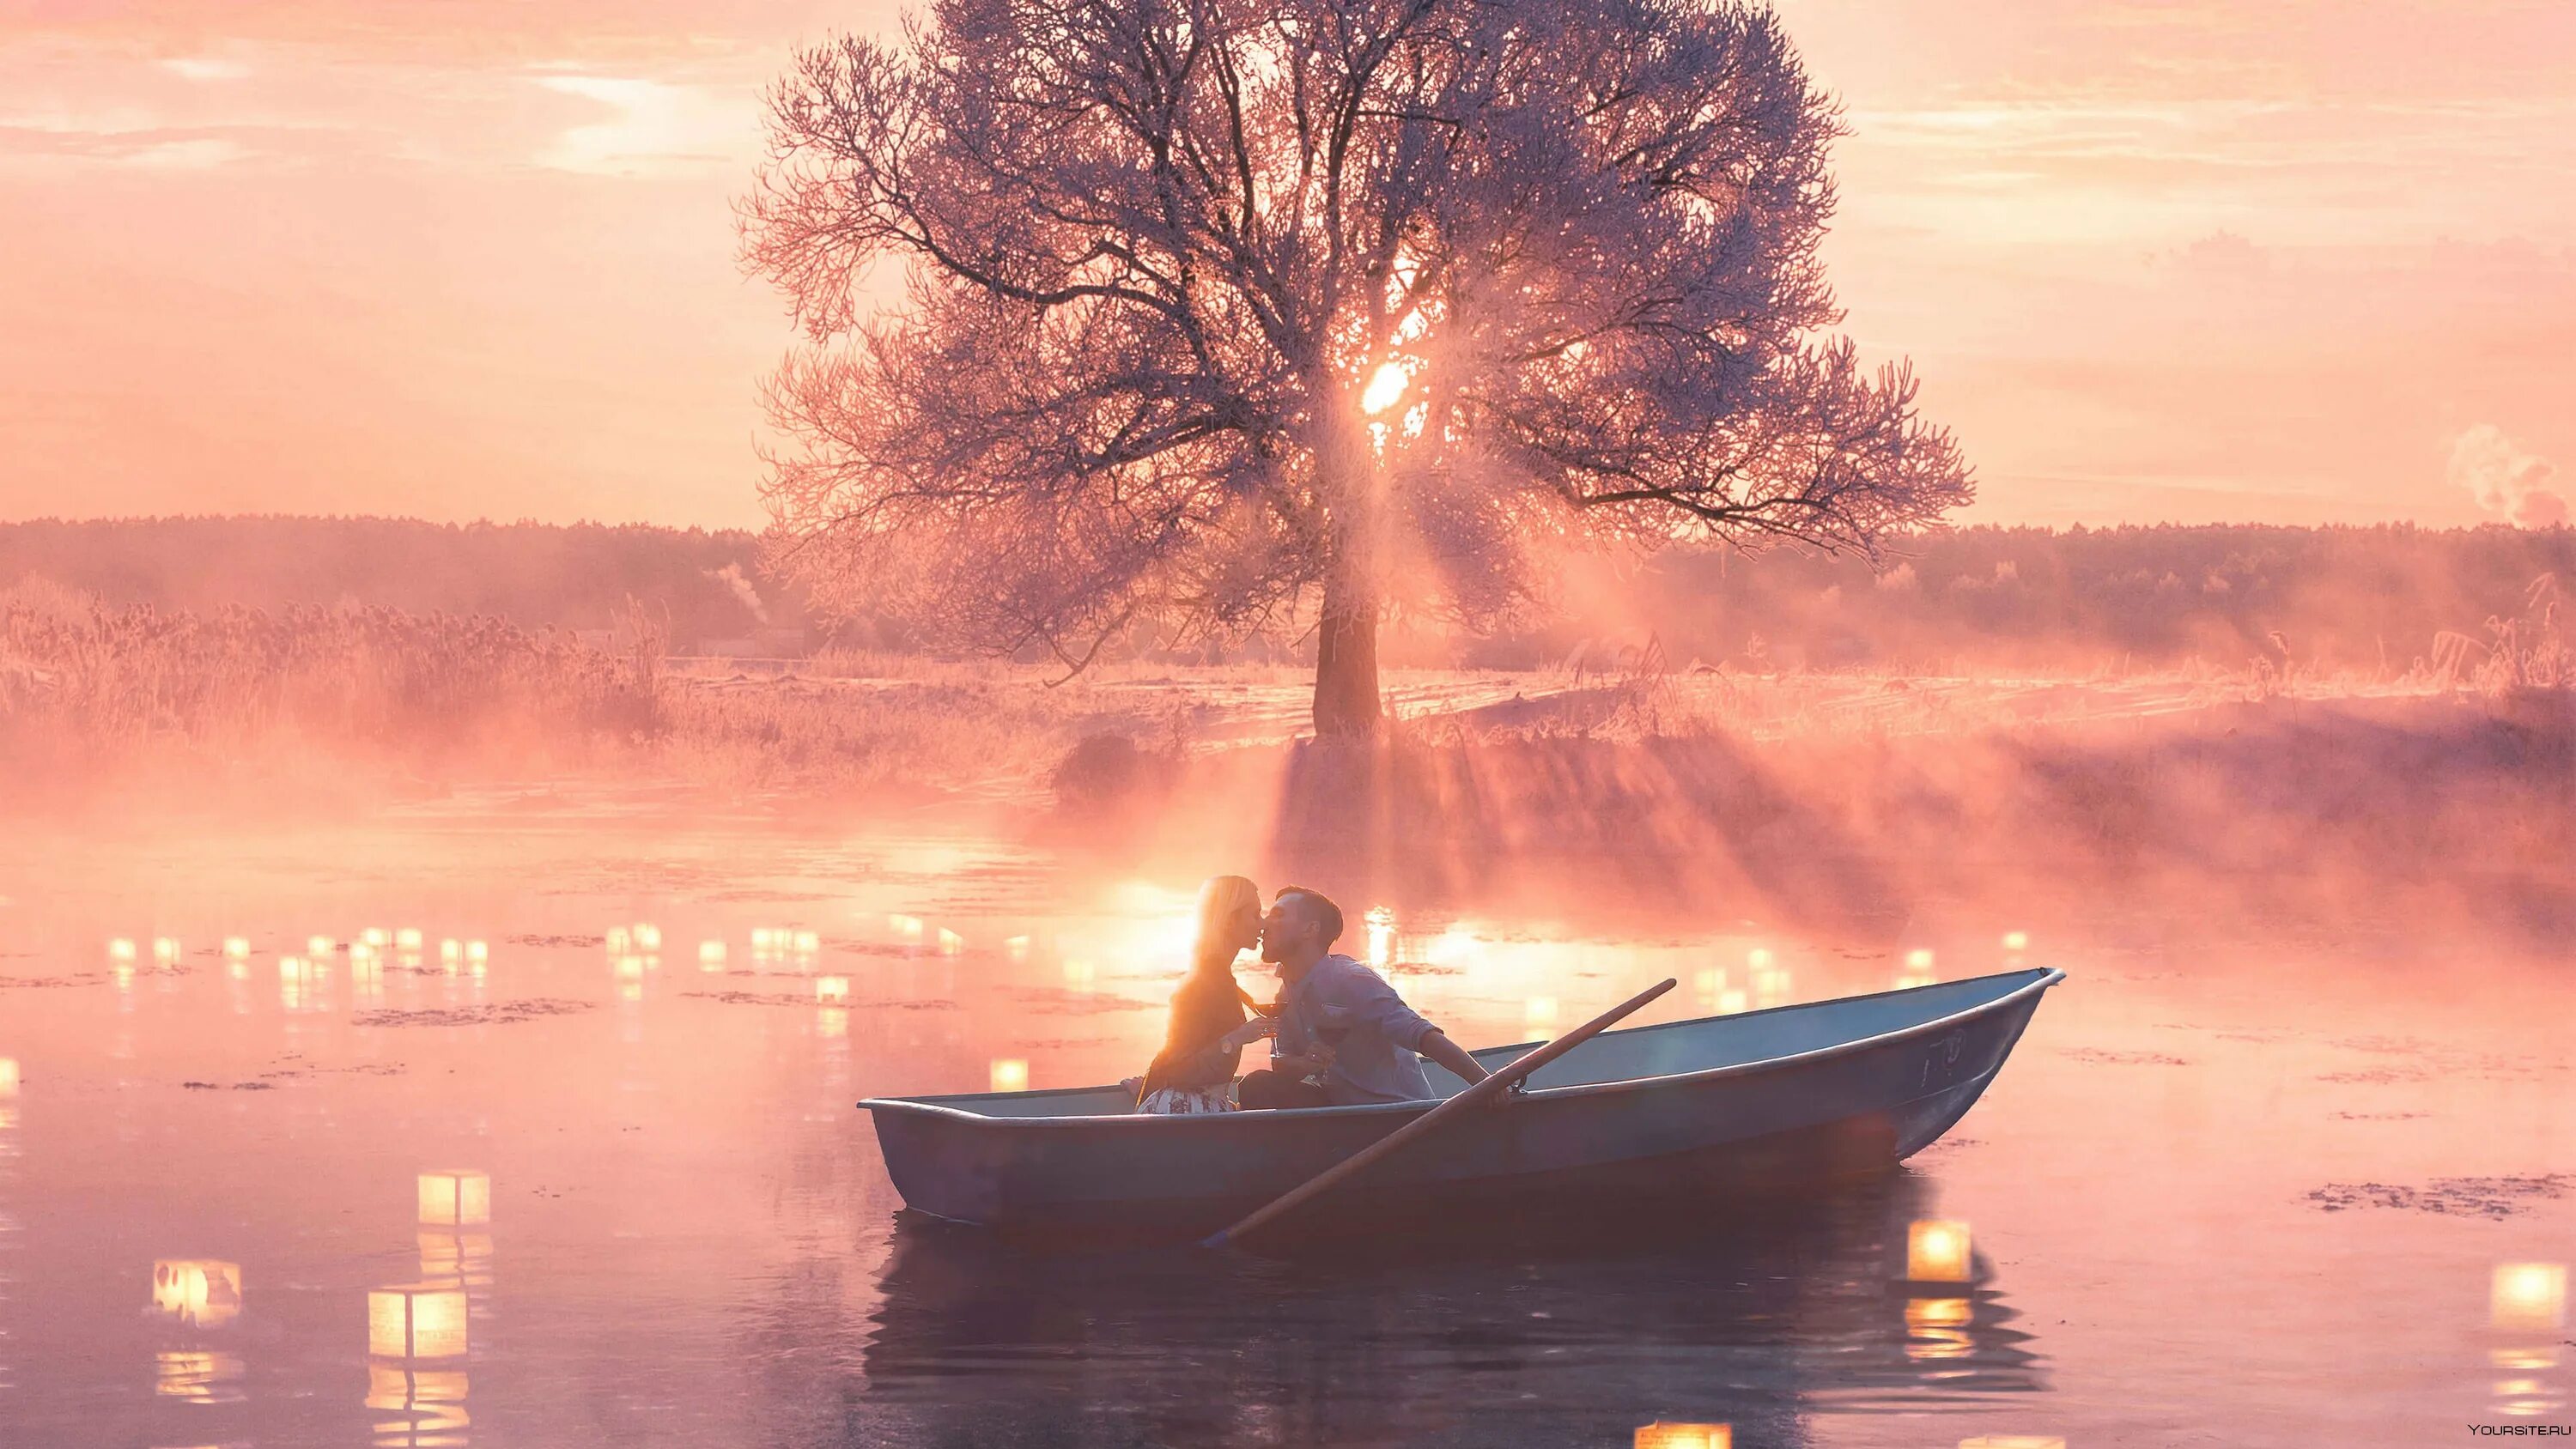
(2237, 1186)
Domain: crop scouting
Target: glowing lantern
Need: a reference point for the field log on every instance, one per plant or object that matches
(833, 1021)
(807, 943)
(120, 949)
(361, 953)
(317, 945)
(1685, 1436)
(1538, 1016)
(619, 943)
(1918, 960)
(1709, 984)
(1730, 1002)
(237, 948)
(711, 954)
(832, 990)
(407, 939)
(1010, 1074)
(456, 1198)
(293, 969)
(8, 1076)
(1381, 935)
(375, 936)
(1937, 1328)
(477, 952)
(1080, 975)
(1936, 1251)
(1017, 948)
(198, 1292)
(648, 938)
(416, 1321)
(1759, 958)
(950, 943)
(2016, 941)
(908, 927)
(451, 952)
(760, 938)
(165, 950)
(2529, 1297)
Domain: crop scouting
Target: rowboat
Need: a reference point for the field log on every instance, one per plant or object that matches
(1681, 1114)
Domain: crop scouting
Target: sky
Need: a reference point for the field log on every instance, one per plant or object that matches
(2154, 260)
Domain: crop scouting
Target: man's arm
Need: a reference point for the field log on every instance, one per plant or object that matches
(1437, 1046)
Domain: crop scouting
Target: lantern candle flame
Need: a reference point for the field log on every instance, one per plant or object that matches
(1937, 1250)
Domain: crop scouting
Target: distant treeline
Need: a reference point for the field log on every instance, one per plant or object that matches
(2362, 599)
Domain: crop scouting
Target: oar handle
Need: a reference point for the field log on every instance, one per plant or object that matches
(1491, 1087)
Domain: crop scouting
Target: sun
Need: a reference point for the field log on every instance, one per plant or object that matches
(1384, 388)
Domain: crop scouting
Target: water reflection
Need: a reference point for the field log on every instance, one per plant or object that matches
(1751, 1322)
(2526, 1315)
(198, 1376)
(417, 1408)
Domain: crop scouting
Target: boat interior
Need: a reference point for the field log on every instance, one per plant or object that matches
(1664, 1049)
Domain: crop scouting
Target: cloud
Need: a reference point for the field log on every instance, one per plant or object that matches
(2507, 482)
(654, 126)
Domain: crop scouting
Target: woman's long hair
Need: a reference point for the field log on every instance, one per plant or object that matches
(1221, 900)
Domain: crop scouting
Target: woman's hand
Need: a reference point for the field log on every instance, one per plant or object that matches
(1250, 1032)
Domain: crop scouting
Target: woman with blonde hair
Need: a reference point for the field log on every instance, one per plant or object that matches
(1194, 1072)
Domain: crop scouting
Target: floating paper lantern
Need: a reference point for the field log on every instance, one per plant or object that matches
(1080, 975)
(761, 937)
(165, 950)
(832, 990)
(1759, 958)
(711, 954)
(619, 941)
(950, 943)
(1937, 1328)
(2528, 1297)
(407, 939)
(2016, 941)
(907, 927)
(317, 945)
(376, 936)
(456, 1197)
(630, 968)
(236, 948)
(1017, 948)
(294, 969)
(416, 1321)
(198, 1292)
(360, 953)
(478, 952)
(1685, 1436)
(1918, 959)
(648, 937)
(1936, 1251)
(451, 952)
(808, 942)
(1010, 1074)
(1538, 1016)
(120, 949)
(8, 1076)
(1731, 1002)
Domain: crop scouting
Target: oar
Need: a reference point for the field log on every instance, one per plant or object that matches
(1484, 1091)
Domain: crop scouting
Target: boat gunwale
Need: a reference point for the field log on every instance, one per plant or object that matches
(2048, 977)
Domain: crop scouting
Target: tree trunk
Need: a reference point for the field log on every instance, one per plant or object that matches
(1346, 698)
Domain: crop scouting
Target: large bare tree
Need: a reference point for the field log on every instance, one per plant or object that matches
(1233, 315)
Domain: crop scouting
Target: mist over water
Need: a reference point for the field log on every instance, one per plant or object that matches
(2257, 1173)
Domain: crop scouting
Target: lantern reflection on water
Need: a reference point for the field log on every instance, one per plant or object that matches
(2016, 941)
(832, 1021)
(416, 1321)
(807, 943)
(431, 1401)
(1936, 1328)
(1010, 1074)
(2013, 1441)
(1685, 1436)
(906, 928)
(198, 1377)
(648, 937)
(8, 1076)
(460, 1197)
(1381, 936)
(317, 945)
(451, 1258)
(2528, 1298)
(198, 1292)
(1937, 1251)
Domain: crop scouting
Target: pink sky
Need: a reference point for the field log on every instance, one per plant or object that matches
(2287, 261)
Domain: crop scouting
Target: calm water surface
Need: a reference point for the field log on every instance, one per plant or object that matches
(2235, 1187)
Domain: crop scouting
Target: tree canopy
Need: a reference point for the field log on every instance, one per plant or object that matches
(1236, 315)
